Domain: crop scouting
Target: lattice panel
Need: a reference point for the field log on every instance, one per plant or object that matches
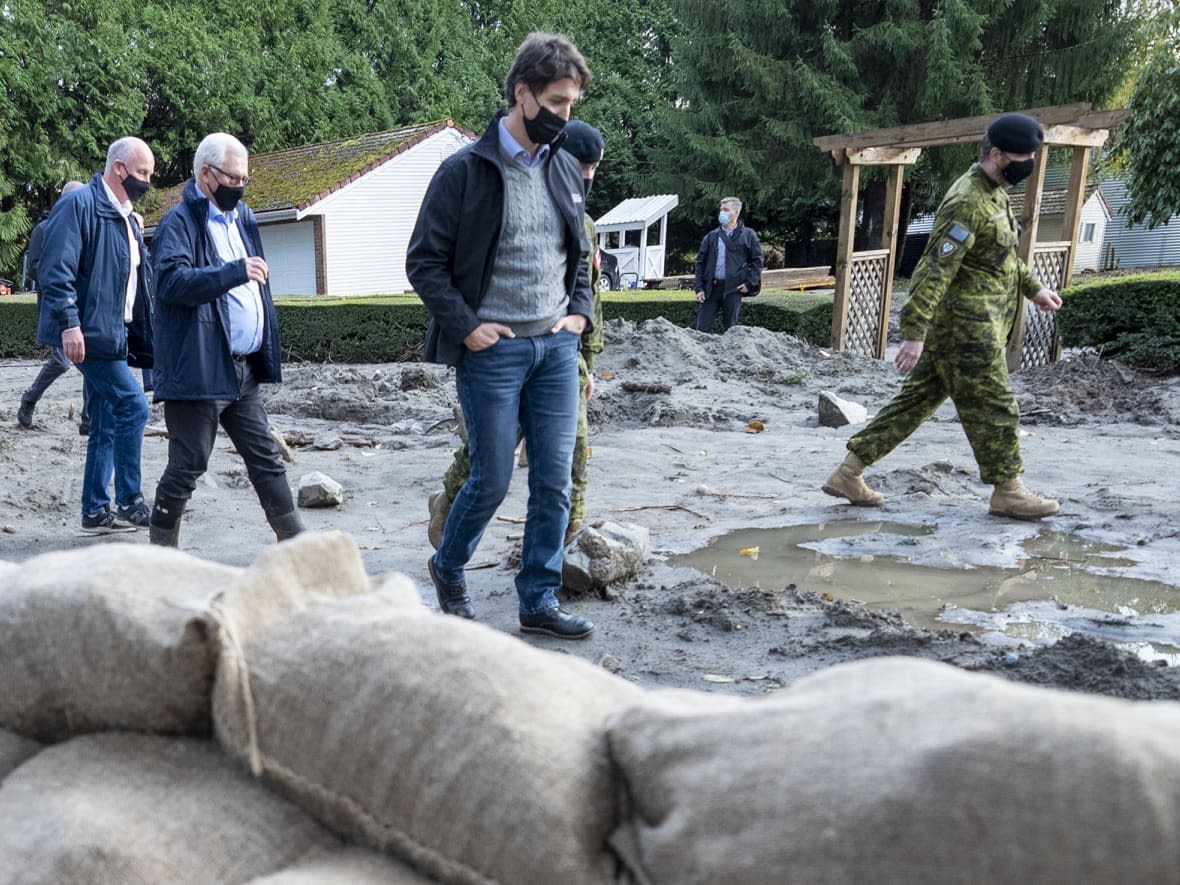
(1049, 264)
(1039, 347)
(866, 292)
(1040, 337)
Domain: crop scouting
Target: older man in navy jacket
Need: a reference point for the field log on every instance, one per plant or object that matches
(218, 339)
(96, 290)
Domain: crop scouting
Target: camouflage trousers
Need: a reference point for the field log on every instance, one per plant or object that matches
(982, 394)
(460, 467)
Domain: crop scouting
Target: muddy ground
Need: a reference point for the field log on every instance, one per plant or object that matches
(1103, 439)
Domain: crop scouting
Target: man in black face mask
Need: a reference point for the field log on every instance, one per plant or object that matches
(218, 339)
(96, 292)
(963, 301)
(498, 256)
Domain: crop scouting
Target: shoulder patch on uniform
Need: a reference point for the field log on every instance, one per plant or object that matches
(947, 248)
(958, 233)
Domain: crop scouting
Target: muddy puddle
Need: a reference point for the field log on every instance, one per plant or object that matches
(1061, 585)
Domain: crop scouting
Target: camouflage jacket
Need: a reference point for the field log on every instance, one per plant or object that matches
(591, 344)
(966, 287)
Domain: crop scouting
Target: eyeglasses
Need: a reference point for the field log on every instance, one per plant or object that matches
(231, 180)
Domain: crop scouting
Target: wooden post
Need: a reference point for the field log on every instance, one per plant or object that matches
(844, 246)
(1029, 217)
(889, 241)
(1073, 206)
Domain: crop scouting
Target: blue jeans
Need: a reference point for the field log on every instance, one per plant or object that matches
(118, 414)
(533, 383)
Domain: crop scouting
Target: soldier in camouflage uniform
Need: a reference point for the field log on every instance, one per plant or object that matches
(963, 301)
(586, 143)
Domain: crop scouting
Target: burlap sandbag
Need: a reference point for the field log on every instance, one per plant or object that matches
(14, 750)
(901, 771)
(349, 866)
(463, 750)
(127, 809)
(111, 636)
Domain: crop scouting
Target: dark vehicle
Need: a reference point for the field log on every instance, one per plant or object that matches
(609, 270)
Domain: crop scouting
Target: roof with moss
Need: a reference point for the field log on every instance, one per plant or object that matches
(298, 177)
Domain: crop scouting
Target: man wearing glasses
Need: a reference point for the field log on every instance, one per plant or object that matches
(218, 339)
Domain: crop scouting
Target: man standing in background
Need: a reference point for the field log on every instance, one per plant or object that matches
(728, 268)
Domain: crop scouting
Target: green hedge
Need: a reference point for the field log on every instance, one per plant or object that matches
(1135, 318)
(389, 327)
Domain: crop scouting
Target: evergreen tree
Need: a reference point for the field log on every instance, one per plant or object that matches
(1151, 138)
(759, 79)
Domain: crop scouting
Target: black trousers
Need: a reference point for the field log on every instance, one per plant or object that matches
(716, 300)
(192, 430)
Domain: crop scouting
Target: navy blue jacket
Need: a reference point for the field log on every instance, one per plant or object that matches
(82, 273)
(193, 356)
(743, 261)
(453, 247)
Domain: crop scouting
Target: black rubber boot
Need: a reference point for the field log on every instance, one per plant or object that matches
(286, 525)
(164, 524)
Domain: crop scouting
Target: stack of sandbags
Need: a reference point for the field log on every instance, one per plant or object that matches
(115, 639)
(470, 754)
(143, 810)
(900, 771)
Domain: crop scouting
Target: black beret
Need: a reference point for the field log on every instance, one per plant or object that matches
(583, 141)
(1016, 133)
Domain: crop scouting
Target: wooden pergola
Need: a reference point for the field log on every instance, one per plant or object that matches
(864, 280)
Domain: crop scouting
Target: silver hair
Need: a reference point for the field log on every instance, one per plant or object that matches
(733, 201)
(213, 150)
(71, 186)
(124, 150)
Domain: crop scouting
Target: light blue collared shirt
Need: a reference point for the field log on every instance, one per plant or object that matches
(510, 146)
(245, 301)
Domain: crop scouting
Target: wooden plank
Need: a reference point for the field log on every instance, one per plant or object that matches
(1074, 201)
(962, 130)
(1075, 136)
(882, 156)
(889, 242)
(844, 245)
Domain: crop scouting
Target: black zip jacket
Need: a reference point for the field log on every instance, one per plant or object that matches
(743, 261)
(453, 246)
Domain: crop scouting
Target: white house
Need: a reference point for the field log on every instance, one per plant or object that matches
(336, 217)
(1136, 246)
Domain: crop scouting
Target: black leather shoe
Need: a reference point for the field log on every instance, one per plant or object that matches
(452, 598)
(24, 414)
(557, 622)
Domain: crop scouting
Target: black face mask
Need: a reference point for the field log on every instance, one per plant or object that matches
(1018, 170)
(135, 187)
(227, 197)
(545, 127)
(587, 183)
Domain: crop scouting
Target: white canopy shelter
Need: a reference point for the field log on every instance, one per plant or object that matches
(636, 233)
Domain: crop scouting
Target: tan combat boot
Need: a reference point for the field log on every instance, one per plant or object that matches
(846, 482)
(1012, 499)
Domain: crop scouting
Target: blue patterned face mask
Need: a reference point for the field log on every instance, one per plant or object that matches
(723, 218)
